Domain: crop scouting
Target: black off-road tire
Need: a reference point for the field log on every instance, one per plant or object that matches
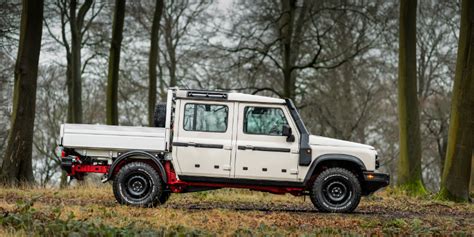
(138, 184)
(336, 190)
(159, 117)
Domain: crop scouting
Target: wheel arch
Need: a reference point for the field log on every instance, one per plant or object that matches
(134, 155)
(322, 162)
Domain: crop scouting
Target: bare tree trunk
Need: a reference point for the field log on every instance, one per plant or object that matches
(171, 43)
(63, 180)
(457, 166)
(442, 147)
(172, 66)
(291, 30)
(409, 166)
(114, 63)
(471, 189)
(17, 167)
(288, 14)
(176, 20)
(76, 23)
(70, 107)
(162, 81)
(152, 61)
(69, 16)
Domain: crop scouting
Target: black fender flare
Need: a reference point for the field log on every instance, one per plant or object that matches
(131, 154)
(332, 157)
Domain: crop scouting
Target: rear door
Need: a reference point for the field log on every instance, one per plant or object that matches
(202, 145)
(262, 151)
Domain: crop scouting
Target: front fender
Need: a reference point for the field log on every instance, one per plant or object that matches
(333, 157)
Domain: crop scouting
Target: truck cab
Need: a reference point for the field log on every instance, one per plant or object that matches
(208, 140)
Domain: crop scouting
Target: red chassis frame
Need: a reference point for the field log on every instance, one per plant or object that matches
(178, 186)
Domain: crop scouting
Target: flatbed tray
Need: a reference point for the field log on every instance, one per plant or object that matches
(112, 138)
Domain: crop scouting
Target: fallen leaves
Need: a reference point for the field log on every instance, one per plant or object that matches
(230, 212)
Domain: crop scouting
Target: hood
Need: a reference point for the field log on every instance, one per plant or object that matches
(325, 141)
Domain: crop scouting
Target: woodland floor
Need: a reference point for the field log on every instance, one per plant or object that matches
(93, 211)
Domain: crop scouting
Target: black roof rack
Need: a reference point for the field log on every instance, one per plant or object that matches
(208, 95)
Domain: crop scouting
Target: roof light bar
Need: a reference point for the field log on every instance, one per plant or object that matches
(210, 95)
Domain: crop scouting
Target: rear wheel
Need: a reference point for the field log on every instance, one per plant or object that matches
(138, 184)
(336, 190)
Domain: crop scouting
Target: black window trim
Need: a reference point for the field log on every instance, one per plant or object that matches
(197, 103)
(260, 134)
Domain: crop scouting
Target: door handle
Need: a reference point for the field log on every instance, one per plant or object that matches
(226, 167)
(247, 147)
(227, 147)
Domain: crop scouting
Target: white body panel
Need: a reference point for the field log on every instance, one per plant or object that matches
(202, 161)
(326, 141)
(113, 138)
(324, 145)
(226, 162)
(266, 165)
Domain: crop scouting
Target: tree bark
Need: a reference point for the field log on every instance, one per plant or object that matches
(291, 30)
(153, 60)
(171, 41)
(288, 8)
(172, 63)
(70, 107)
(114, 63)
(471, 189)
(409, 166)
(17, 167)
(457, 167)
(76, 22)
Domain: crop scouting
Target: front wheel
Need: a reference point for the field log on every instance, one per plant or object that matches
(336, 190)
(138, 184)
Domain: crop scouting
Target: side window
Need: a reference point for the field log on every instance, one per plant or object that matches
(205, 117)
(264, 121)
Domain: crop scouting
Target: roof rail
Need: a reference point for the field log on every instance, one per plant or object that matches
(207, 95)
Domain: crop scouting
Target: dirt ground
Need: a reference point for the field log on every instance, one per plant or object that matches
(242, 212)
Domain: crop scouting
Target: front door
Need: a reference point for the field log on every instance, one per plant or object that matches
(203, 143)
(262, 151)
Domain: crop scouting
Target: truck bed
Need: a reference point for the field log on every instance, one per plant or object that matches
(106, 138)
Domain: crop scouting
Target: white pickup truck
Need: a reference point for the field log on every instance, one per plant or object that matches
(204, 140)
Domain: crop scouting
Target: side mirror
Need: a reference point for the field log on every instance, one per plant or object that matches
(286, 131)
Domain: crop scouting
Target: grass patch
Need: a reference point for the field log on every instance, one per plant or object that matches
(26, 219)
(92, 211)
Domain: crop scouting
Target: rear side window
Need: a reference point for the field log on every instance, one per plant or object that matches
(205, 117)
(264, 121)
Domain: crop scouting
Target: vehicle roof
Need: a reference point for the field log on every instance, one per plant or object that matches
(226, 96)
